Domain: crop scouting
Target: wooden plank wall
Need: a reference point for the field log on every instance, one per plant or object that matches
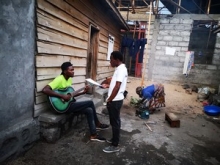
(63, 35)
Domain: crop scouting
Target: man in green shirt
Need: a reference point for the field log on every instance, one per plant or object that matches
(87, 107)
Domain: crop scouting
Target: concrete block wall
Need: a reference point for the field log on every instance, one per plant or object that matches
(18, 129)
(174, 32)
(16, 140)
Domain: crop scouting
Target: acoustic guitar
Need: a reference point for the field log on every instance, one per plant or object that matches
(58, 104)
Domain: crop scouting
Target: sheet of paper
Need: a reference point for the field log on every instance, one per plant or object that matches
(92, 82)
(170, 51)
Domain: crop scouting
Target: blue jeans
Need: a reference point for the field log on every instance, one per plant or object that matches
(87, 108)
(114, 108)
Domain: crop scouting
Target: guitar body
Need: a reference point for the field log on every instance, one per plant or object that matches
(59, 105)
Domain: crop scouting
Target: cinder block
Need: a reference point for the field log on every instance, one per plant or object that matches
(164, 21)
(53, 125)
(172, 43)
(172, 119)
(185, 33)
(175, 21)
(211, 67)
(187, 21)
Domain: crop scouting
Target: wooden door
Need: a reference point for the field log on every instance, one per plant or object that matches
(91, 69)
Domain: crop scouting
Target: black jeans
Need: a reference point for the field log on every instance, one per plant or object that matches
(114, 108)
(87, 108)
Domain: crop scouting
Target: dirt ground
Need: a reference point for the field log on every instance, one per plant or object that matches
(196, 142)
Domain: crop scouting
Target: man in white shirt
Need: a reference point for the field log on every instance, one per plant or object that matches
(115, 98)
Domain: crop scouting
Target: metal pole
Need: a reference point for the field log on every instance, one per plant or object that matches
(210, 30)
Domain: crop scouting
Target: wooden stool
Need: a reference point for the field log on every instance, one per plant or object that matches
(172, 119)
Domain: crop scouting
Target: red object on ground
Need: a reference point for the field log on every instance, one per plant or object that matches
(204, 103)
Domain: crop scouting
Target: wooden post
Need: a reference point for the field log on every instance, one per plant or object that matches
(131, 57)
(208, 8)
(145, 59)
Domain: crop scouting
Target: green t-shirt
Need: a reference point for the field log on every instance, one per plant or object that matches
(60, 82)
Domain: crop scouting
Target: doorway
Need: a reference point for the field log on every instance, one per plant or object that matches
(91, 69)
(134, 62)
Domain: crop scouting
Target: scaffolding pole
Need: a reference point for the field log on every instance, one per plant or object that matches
(148, 33)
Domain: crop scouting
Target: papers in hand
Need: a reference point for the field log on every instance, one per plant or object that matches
(93, 82)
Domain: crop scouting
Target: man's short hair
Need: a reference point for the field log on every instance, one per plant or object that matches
(117, 55)
(65, 66)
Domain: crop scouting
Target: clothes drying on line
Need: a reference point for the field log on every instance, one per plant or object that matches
(134, 47)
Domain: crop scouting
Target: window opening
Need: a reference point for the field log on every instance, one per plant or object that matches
(111, 40)
(202, 41)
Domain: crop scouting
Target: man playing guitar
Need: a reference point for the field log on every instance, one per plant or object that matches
(64, 80)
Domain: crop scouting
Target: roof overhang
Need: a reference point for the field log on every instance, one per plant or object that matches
(174, 6)
(114, 13)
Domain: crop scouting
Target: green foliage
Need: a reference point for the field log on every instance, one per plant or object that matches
(135, 101)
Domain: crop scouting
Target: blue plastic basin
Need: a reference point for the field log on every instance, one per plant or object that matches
(212, 110)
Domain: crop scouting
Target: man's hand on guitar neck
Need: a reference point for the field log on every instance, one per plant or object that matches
(85, 90)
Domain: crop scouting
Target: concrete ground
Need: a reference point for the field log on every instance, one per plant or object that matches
(196, 142)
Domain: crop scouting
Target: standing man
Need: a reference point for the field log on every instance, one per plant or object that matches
(115, 98)
(63, 81)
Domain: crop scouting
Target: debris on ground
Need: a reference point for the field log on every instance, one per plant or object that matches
(185, 86)
(148, 126)
(188, 91)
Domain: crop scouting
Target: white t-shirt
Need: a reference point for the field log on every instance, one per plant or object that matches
(121, 75)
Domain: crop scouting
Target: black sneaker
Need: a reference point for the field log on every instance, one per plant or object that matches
(97, 138)
(102, 127)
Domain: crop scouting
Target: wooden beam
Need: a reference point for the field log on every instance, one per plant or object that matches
(177, 5)
(41, 84)
(61, 38)
(47, 20)
(53, 48)
(62, 14)
(133, 6)
(43, 60)
(217, 30)
(137, 16)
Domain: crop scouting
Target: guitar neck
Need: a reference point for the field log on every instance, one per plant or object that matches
(77, 91)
